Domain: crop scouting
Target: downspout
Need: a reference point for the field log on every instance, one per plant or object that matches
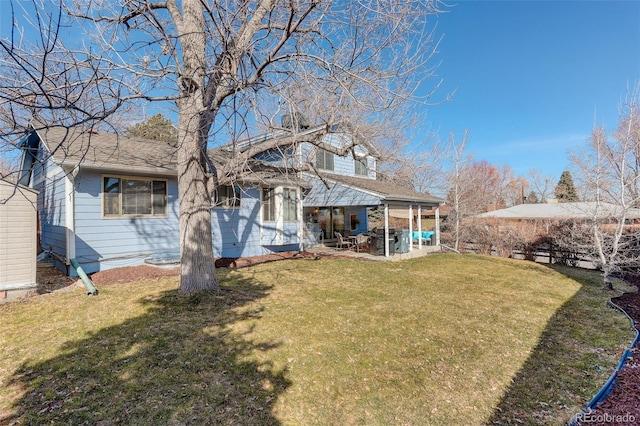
(92, 291)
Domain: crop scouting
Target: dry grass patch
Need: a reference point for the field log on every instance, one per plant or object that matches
(437, 340)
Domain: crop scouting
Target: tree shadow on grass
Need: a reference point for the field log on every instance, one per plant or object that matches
(179, 363)
(572, 360)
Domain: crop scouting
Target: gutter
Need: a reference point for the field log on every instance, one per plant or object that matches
(119, 168)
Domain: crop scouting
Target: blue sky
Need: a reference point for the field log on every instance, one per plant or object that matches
(531, 78)
(531, 75)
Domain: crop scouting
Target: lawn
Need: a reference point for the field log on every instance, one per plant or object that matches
(438, 340)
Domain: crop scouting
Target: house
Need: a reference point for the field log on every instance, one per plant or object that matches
(17, 239)
(347, 194)
(561, 211)
(110, 201)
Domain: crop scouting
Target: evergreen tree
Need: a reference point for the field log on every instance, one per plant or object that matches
(532, 198)
(157, 128)
(565, 191)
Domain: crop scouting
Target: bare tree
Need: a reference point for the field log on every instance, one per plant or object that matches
(515, 188)
(460, 187)
(419, 166)
(7, 169)
(216, 63)
(543, 185)
(610, 169)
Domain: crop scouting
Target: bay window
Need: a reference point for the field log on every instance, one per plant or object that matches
(279, 202)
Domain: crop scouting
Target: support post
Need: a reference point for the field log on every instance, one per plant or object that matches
(386, 230)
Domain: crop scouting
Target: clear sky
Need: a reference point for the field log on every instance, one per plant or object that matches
(530, 76)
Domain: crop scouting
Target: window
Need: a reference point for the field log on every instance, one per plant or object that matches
(272, 208)
(134, 197)
(268, 205)
(361, 167)
(290, 205)
(354, 222)
(324, 159)
(227, 196)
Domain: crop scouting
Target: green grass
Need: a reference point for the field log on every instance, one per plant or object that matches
(438, 340)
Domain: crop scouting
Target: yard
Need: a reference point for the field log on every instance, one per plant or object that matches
(438, 340)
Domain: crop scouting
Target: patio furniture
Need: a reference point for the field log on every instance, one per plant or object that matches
(361, 241)
(425, 236)
(343, 243)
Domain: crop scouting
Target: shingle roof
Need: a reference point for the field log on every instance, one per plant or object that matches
(72, 146)
(584, 210)
(109, 151)
(387, 191)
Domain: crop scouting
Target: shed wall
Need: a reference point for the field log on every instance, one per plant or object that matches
(17, 237)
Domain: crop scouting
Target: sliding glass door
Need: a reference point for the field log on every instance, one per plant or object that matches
(329, 220)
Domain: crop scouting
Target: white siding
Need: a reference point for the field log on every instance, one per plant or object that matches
(17, 236)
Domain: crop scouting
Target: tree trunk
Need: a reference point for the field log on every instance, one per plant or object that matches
(197, 271)
(196, 240)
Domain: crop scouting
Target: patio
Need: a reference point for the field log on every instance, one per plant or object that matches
(333, 251)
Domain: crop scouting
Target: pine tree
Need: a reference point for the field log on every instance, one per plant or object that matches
(532, 198)
(565, 191)
(157, 128)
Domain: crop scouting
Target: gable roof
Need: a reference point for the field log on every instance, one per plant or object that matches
(385, 190)
(301, 135)
(582, 210)
(73, 147)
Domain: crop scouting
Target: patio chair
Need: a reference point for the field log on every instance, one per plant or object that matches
(425, 236)
(343, 243)
(362, 240)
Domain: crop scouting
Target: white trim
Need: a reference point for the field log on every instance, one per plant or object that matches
(346, 185)
(419, 227)
(119, 168)
(133, 177)
(300, 219)
(438, 226)
(278, 199)
(411, 227)
(69, 213)
(386, 230)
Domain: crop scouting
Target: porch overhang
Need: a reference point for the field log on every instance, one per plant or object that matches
(346, 191)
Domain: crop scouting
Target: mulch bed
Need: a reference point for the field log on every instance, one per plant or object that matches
(623, 403)
(136, 273)
(51, 279)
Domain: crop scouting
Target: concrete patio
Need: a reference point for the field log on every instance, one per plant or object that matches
(333, 251)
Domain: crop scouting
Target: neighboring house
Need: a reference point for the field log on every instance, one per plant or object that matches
(18, 242)
(344, 189)
(561, 211)
(110, 201)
